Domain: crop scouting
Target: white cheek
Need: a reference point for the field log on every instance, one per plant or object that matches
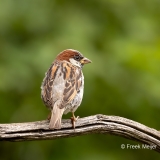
(74, 62)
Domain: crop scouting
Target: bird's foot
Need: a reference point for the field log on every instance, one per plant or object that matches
(74, 119)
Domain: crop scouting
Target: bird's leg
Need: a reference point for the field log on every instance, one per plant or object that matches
(49, 116)
(74, 119)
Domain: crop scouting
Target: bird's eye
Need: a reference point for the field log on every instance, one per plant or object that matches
(77, 57)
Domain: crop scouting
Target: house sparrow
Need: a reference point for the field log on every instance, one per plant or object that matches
(62, 87)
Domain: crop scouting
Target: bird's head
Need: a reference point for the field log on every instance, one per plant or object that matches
(74, 57)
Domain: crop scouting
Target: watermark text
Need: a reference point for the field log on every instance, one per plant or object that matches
(138, 146)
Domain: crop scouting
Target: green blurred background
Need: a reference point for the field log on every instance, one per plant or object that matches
(122, 38)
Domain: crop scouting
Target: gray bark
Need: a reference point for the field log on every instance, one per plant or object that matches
(93, 124)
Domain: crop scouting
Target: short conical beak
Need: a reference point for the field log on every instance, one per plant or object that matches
(85, 61)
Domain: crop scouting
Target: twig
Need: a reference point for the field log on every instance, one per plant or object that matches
(93, 124)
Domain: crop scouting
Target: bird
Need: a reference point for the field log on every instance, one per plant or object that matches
(63, 86)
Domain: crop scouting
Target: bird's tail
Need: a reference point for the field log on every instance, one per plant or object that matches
(56, 116)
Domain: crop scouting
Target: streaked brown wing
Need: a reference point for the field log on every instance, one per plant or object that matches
(47, 84)
(72, 84)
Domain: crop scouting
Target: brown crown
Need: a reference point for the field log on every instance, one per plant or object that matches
(67, 54)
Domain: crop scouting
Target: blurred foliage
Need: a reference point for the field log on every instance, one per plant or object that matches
(122, 38)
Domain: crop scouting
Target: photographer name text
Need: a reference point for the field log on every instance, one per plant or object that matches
(138, 146)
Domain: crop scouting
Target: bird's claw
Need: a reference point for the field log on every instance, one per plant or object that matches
(73, 120)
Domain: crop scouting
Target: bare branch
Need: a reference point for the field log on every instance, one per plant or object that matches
(93, 124)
